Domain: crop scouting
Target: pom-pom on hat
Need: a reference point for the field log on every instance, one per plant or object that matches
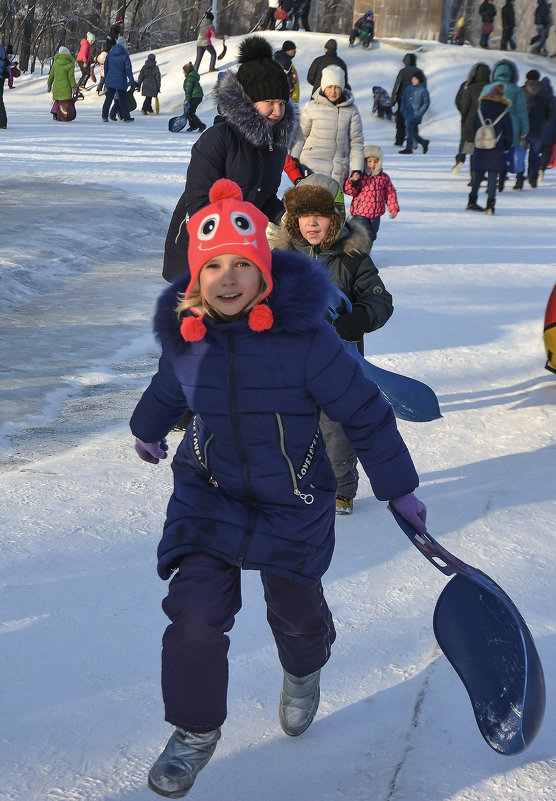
(228, 225)
(261, 77)
(332, 76)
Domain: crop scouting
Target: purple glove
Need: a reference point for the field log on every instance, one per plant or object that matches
(151, 451)
(413, 510)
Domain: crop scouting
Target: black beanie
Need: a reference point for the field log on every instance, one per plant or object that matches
(261, 77)
(533, 75)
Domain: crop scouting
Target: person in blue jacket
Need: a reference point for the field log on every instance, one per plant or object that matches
(118, 77)
(415, 102)
(246, 348)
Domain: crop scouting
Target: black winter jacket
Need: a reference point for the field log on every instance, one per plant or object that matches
(479, 77)
(403, 79)
(314, 73)
(538, 99)
(240, 146)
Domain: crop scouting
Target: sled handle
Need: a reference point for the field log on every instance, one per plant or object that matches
(438, 556)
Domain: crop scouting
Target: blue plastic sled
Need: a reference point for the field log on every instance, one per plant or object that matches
(410, 399)
(177, 124)
(483, 635)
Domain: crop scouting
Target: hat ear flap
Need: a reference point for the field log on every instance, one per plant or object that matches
(334, 230)
(292, 227)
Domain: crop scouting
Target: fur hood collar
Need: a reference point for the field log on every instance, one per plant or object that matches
(299, 300)
(238, 111)
(353, 239)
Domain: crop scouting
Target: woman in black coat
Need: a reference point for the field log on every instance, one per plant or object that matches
(248, 144)
(466, 101)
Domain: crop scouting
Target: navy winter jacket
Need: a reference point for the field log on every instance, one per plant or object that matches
(240, 146)
(253, 485)
(118, 73)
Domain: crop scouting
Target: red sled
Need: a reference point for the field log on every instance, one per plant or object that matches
(65, 109)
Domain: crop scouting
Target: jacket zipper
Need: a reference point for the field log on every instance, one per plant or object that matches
(197, 449)
(305, 497)
(242, 457)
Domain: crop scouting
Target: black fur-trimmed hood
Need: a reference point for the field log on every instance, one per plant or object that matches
(238, 110)
(299, 300)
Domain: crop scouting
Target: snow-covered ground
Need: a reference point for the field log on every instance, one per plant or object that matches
(84, 208)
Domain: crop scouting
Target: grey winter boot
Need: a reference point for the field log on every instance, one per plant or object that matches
(472, 203)
(299, 701)
(186, 753)
(490, 206)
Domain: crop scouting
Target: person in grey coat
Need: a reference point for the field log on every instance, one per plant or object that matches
(149, 81)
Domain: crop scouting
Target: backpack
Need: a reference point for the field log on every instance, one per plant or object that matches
(485, 135)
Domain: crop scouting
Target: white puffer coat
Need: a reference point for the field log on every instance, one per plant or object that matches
(330, 137)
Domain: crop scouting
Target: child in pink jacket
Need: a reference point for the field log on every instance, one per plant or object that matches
(372, 192)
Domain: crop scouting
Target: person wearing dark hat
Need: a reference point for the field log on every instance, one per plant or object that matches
(540, 108)
(493, 105)
(149, 82)
(315, 224)
(248, 142)
(284, 57)
(246, 348)
(329, 58)
(364, 30)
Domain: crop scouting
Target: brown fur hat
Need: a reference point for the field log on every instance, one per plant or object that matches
(310, 197)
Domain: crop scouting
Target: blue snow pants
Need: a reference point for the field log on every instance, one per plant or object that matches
(203, 598)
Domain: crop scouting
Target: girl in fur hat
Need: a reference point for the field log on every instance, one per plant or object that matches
(314, 224)
(246, 348)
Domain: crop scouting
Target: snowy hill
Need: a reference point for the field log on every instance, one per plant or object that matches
(84, 209)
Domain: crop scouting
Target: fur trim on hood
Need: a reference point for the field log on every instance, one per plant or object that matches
(370, 151)
(240, 113)
(353, 238)
(299, 299)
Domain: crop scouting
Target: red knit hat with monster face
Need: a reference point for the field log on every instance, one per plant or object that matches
(228, 225)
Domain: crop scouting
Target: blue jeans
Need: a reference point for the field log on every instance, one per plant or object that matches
(534, 145)
(372, 224)
(413, 134)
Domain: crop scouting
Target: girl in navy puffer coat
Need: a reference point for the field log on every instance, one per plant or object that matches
(246, 348)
